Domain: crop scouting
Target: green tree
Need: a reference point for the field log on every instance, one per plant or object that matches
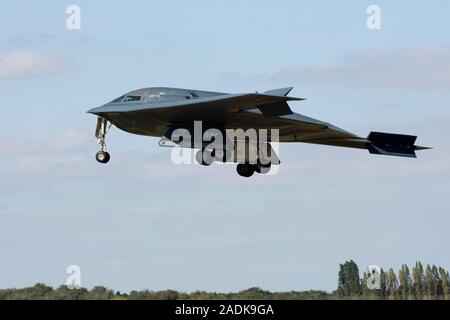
(383, 284)
(380, 292)
(254, 293)
(405, 282)
(65, 293)
(438, 280)
(445, 282)
(391, 284)
(418, 280)
(39, 291)
(100, 293)
(430, 281)
(366, 292)
(349, 283)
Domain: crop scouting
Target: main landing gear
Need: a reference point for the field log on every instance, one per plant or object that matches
(100, 133)
(204, 157)
(207, 157)
(246, 170)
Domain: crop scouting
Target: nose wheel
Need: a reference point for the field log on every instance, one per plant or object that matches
(102, 156)
(100, 133)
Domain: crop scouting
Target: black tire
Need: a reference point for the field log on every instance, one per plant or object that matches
(262, 169)
(102, 156)
(245, 170)
(204, 157)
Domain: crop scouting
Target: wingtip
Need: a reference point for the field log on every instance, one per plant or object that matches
(419, 148)
(295, 99)
(280, 91)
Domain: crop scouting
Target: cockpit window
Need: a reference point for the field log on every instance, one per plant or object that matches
(132, 98)
(119, 99)
(168, 95)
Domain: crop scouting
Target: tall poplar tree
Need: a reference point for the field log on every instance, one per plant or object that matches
(349, 283)
(392, 284)
(445, 282)
(430, 282)
(419, 280)
(405, 282)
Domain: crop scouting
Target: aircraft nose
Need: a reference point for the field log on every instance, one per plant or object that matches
(95, 110)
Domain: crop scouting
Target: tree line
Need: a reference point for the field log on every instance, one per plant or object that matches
(431, 282)
(43, 292)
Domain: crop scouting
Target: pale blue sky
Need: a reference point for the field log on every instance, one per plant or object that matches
(142, 222)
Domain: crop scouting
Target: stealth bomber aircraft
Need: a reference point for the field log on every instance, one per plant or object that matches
(159, 111)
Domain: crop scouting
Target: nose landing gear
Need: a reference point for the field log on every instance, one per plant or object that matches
(100, 133)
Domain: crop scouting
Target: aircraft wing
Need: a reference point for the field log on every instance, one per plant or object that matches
(253, 110)
(300, 128)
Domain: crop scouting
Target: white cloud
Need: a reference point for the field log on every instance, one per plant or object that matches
(40, 164)
(23, 63)
(62, 153)
(71, 139)
(421, 67)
